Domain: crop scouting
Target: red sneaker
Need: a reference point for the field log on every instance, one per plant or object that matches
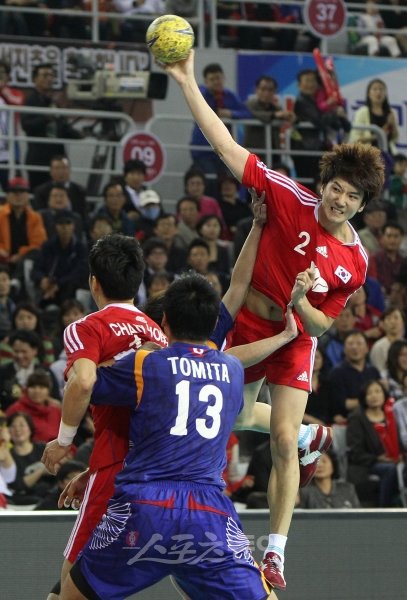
(321, 441)
(272, 568)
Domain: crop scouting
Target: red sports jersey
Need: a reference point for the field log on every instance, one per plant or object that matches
(293, 240)
(109, 333)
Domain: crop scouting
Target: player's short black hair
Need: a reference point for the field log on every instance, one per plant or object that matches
(117, 262)
(361, 165)
(191, 308)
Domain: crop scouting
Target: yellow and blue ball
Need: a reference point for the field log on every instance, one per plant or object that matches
(170, 38)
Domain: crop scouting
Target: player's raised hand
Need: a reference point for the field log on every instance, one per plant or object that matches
(291, 328)
(182, 70)
(74, 491)
(258, 207)
(53, 456)
(303, 283)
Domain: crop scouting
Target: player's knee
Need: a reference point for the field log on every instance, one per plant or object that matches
(284, 445)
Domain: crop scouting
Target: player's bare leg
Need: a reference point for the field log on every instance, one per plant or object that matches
(288, 410)
(254, 415)
(69, 590)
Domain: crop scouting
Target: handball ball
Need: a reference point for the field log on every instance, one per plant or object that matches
(170, 38)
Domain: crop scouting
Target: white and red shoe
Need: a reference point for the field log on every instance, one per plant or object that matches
(321, 441)
(272, 568)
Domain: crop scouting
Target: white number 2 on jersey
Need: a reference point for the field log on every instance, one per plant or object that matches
(207, 391)
(299, 247)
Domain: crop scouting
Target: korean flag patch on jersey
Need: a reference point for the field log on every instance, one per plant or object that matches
(343, 274)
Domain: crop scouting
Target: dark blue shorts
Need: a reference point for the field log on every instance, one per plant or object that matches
(190, 531)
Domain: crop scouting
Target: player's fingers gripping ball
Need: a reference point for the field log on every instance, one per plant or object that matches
(170, 38)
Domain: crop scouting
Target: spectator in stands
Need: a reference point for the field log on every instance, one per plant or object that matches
(367, 317)
(306, 110)
(184, 8)
(71, 310)
(61, 267)
(209, 229)
(65, 26)
(98, 227)
(37, 402)
(134, 30)
(388, 262)
(68, 470)
(332, 342)
(28, 317)
(198, 259)
(227, 106)
(17, 22)
(32, 480)
(374, 217)
(150, 209)
(396, 369)
(134, 176)
(316, 409)
(392, 326)
(166, 229)
(47, 126)
(22, 230)
(373, 442)
(370, 23)
(346, 379)
(194, 187)
(60, 172)
(58, 199)
(377, 111)
(156, 258)
(7, 465)
(253, 489)
(394, 18)
(159, 283)
(26, 347)
(264, 106)
(113, 208)
(398, 184)
(7, 304)
(326, 489)
(332, 109)
(233, 209)
(188, 217)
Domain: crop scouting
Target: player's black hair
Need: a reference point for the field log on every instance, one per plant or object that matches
(117, 262)
(361, 165)
(154, 307)
(191, 308)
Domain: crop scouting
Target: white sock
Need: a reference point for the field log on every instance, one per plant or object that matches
(277, 544)
(304, 436)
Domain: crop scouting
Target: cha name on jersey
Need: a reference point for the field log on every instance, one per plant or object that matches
(146, 329)
(199, 369)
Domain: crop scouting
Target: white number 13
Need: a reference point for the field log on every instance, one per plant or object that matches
(207, 391)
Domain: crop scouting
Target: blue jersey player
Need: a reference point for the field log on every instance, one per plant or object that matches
(168, 515)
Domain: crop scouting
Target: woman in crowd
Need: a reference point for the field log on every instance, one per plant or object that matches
(373, 442)
(396, 370)
(32, 481)
(210, 229)
(28, 317)
(326, 490)
(377, 111)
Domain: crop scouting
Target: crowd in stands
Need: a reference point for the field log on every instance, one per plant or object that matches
(47, 227)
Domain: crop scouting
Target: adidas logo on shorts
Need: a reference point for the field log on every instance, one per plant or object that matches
(303, 376)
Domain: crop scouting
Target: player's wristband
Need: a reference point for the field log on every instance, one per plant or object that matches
(66, 434)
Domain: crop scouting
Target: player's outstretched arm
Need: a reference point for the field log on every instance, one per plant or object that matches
(251, 354)
(235, 295)
(215, 131)
(314, 320)
(77, 393)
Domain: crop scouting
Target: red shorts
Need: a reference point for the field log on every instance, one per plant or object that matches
(98, 491)
(291, 365)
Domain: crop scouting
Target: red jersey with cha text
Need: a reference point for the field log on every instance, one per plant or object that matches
(293, 240)
(112, 332)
